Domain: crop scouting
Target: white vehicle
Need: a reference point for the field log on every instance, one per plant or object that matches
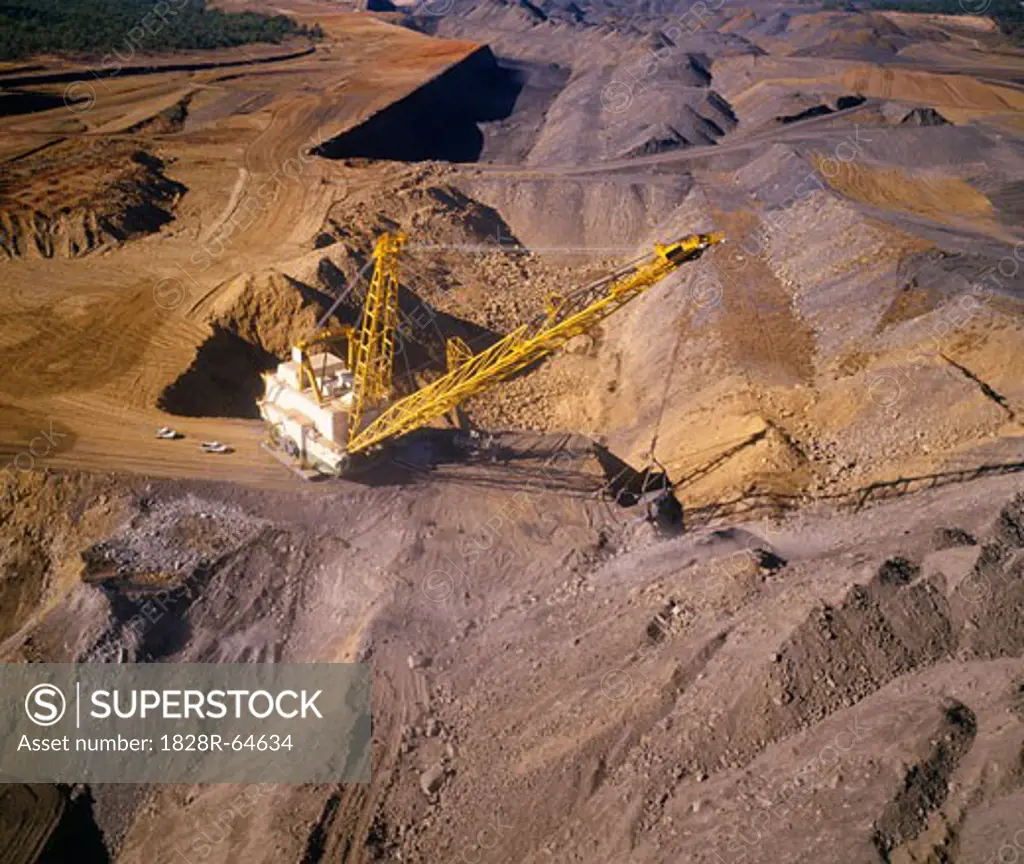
(215, 447)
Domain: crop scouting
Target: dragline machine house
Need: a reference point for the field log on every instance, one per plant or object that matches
(333, 400)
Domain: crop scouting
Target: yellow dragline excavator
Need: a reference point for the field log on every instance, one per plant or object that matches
(332, 402)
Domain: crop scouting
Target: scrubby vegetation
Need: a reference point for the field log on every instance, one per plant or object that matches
(1008, 14)
(98, 27)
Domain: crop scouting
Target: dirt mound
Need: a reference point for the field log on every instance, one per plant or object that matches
(991, 596)
(443, 216)
(926, 785)
(50, 518)
(268, 310)
(971, 23)
(878, 632)
(898, 622)
(659, 138)
(599, 216)
(599, 113)
(863, 35)
(442, 222)
(935, 89)
(776, 24)
(662, 137)
(934, 196)
(169, 549)
(746, 80)
(168, 120)
(839, 656)
(255, 320)
(924, 117)
(70, 201)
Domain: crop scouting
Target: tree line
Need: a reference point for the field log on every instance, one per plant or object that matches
(1008, 14)
(97, 27)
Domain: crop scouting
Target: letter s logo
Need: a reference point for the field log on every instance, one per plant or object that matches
(45, 705)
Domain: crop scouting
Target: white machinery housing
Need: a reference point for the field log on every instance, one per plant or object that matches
(311, 431)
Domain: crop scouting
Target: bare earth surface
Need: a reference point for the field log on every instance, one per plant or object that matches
(825, 666)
